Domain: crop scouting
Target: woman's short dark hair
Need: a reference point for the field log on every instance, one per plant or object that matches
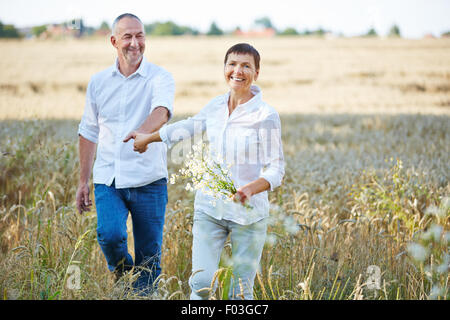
(244, 48)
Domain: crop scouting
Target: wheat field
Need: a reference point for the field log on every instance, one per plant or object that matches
(365, 129)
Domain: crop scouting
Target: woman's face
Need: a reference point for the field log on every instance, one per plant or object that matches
(240, 71)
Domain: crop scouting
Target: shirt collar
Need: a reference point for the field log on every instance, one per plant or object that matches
(142, 70)
(253, 102)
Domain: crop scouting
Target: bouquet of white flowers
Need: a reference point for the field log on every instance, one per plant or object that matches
(211, 176)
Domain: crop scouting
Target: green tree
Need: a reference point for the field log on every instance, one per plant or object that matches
(214, 30)
(168, 28)
(38, 30)
(394, 31)
(8, 31)
(371, 33)
(307, 32)
(104, 26)
(319, 32)
(289, 32)
(149, 28)
(265, 22)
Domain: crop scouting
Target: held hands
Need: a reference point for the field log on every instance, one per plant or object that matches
(141, 141)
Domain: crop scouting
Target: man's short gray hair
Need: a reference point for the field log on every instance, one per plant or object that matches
(124, 15)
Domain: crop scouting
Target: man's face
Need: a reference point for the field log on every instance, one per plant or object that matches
(129, 40)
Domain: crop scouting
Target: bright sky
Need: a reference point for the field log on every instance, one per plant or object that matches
(350, 17)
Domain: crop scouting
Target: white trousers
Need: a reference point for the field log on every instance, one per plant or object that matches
(209, 236)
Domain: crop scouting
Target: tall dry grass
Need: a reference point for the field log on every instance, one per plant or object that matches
(344, 206)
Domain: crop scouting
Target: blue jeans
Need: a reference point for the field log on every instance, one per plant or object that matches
(147, 205)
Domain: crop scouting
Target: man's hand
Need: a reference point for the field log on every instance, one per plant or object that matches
(87, 153)
(83, 201)
(141, 136)
(141, 141)
(131, 135)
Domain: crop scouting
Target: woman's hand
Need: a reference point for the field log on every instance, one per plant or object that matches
(141, 142)
(243, 194)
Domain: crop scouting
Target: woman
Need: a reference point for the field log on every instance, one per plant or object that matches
(246, 132)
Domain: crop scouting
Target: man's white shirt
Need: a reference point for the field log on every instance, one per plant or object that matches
(117, 105)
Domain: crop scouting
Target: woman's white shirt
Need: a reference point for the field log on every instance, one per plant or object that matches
(249, 140)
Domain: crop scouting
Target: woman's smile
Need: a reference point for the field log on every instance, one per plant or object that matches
(240, 71)
(238, 79)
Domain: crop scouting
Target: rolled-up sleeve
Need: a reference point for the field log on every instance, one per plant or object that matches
(163, 92)
(88, 127)
(271, 152)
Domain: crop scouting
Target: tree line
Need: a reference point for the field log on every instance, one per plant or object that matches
(170, 28)
(8, 31)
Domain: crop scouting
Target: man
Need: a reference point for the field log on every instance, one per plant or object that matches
(131, 96)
